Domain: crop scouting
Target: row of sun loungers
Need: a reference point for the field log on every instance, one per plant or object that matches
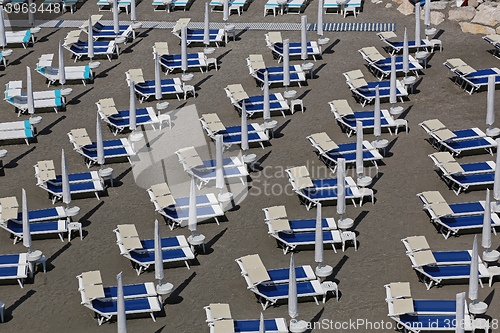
(51, 73)
(79, 48)
(146, 89)
(141, 252)
(100, 31)
(216, 36)
(380, 66)
(257, 67)
(274, 42)
(23, 37)
(14, 267)
(17, 130)
(139, 298)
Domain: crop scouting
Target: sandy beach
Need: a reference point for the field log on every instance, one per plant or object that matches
(51, 302)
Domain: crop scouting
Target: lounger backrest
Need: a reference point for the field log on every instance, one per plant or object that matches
(255, 269)
(279, 225)
(298, 172)
(9, 207)
(256, 61)
(452, 168)
(182, 22)
(444, 134)
(233, 88)
(400, 289)
(165, 201)
(401, 306)
(442, 157)
(71, 40)
(342, 107)
(45, 60)
(432, 125)
(275, 212)
(464, 70)
(46, 170)
(323, 141)
(495, 38)
(358, 83)
(387, 34)
(422, 258)
(440, 209)
(80, 137)
(355, 74)
(274, 37)
(93, 19)
(222, 326)
(160, 189)
(455, 62)
(129, 236)
(136, 75)
(161, 48)
(432, 197)
(417, 243)
(220, 311)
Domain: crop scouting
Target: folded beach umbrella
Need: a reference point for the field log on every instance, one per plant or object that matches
(293, 304)
(192, 219)
(116, 22)
(31, 13)
(120, 306)
(474, 273)
(359, 148)
(206, 27)
(3, 38)
(377, 130)
(341, 187)
(417, 24)
(26, 224)
(303, 37)
(225, 10)
(62, 71)
(267, 106)
(31, 100)
(496, 181)
(320, 18)
(159, 274)
(286, 63)
(219, 162)
(427, 13)
(406, 55)
(133, 14)
(262, 328)
(66, 194)
(184, 58)
(393, 90)
(158, 93)
(318, 239)
(90, 40)
(486, 234)
(132, 112)
(99, 142)
(244, 128)
(490, 101)
(460, 310)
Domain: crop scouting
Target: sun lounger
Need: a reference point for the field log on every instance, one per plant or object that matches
(177, 209)
(275, 44)
(234, 5)
(42, 99)
(112, 148)
(422, 307)
(306, 225)
(146, 89)
(219, 319)
(466, 76)
(495, 41)
(347, 118)
(80, 49)
(364, 92)
(141, 260)
(87, 182)
(452, 225)
(17, 130)
(270, 294)
(431, 323)
(212, 124)
(332, 7)
(204, 171)
(9, 210)
(120, 120)
(196, 35)
(380, 66)
(457, 141)
(289, 241)
(44, 67)
(173, 62)
(437, 206)
(24, 37)
(275, 74)
(19, 273)
(105, 310)
(329, 152)
(312, 192)
(255, 104)
(396, 47)
(106, 31)
(39, 228)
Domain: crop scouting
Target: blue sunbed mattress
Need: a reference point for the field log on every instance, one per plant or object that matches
(282, 289)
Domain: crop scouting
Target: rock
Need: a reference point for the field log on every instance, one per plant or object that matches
(498, 30)
(472, 3)
(406, 8)
(438, 5)
(462, 14)
(389, 5)
(476, 28)
(487, 14)
(437, 18)
(398, 1)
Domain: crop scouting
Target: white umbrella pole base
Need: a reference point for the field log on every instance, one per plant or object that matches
(298, 326)
(493, 132)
